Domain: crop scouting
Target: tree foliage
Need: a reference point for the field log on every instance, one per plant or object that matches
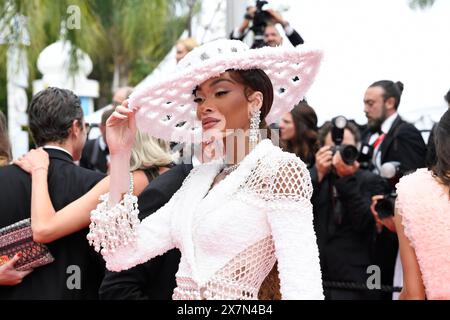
(126, 37)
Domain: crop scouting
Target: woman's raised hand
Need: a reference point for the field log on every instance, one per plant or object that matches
(121, 129)
(34, 160)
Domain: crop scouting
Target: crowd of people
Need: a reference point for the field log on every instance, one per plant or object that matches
(303, 220)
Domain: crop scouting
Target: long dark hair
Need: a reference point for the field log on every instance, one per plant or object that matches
(447, 98)
(304, 143)
(5, 146)
(441, 169)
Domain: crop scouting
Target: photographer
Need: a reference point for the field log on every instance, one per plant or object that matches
(395, 141)
(341, 205)
(392, 138)
(264, 27)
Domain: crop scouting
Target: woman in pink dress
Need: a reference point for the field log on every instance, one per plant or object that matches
(423, 224)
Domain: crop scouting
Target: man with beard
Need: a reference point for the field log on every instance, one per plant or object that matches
(392, 139)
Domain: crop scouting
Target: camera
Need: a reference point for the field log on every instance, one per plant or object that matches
(259, 24)
(365, 156)
(349, 153)
(386, 206)
(392, 172)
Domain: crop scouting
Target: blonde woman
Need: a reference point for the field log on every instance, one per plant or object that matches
(183, 47)
(149, 158)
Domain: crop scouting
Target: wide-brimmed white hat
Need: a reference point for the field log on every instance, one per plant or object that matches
(167, 109)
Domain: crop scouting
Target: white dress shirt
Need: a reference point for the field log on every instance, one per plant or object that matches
(385, 127)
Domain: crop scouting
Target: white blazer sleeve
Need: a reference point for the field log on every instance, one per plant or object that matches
(289, 213)
(154, 237)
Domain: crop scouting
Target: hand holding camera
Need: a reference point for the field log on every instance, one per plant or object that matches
(330, 157)
(344, 155)
(381, 209)
(268, 14)
(383, 206)
(324, 162)
(342, 168)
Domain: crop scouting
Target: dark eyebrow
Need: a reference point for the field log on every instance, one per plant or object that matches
(220, 80)
(194, 92)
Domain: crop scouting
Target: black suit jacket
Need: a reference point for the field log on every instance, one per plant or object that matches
(402, 143)
(93, 157)
(295, 38)
(67, 182)
(345, 240)
(155, 279)
(405, 144)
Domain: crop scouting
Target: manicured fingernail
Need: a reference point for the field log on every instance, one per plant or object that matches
(20, 254)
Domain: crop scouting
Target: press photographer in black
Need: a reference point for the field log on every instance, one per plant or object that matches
(342, 218)
(263, 24)
(394, 143)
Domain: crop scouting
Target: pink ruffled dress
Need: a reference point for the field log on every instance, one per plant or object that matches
(424, 205)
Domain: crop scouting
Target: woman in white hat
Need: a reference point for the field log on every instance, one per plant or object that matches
(237, 215)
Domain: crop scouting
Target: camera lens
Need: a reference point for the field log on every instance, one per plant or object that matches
(349, 154)
(385, 207)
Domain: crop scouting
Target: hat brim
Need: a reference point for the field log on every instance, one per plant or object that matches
(167, 109)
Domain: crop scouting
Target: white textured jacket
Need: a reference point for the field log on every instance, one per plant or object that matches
(231, 236)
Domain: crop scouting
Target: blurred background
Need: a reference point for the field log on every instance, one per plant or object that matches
(96, 46)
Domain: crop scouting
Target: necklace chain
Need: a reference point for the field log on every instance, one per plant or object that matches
(229, 169)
